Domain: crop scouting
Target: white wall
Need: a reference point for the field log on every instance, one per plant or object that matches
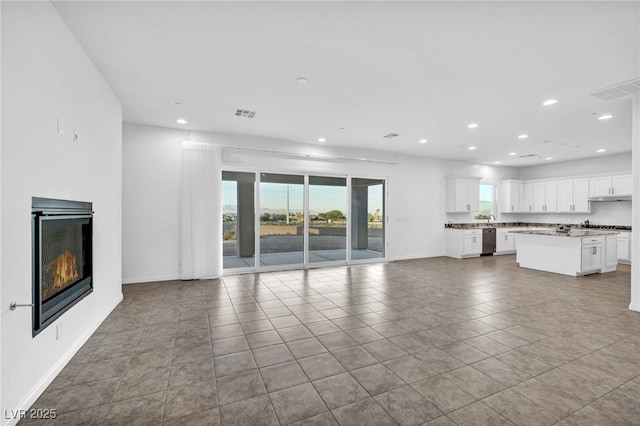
(152, 177)
(152, 172)
(45, 75)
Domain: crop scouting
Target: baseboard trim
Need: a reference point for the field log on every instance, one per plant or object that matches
(634, 307)
(415, 256)
(53, 372)
(150, 279)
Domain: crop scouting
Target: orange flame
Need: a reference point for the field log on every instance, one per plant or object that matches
(65, 269)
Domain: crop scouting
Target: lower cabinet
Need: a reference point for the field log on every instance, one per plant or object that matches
(610, 256)
(624, 247)
(591, 257)
(461, 243)
(599, 254)
(505, 242)
(472, 245)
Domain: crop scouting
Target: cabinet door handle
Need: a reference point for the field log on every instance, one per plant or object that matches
(613, 190)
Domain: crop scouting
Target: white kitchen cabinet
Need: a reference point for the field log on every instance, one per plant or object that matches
(610, 255)
(622, 185)
(463, 195)
(610, 186)
(461, 243)
(573, 196)
(510, 196)
(624, 247)
(545, 197)
(527, 198)
(592, 254)
(472, 245)
(505, 241)
(600, 186)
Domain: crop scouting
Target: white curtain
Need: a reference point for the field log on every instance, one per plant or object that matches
(201, 211)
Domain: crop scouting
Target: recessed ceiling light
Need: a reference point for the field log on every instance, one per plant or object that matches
(601, 150)
(523, 136)
(513, 153)
(423, 141)
(472, 125)
(550, 102)
(548, 158)
(322, 140)
(497, 162)
(605, 117)
(302, 80)
(471, 148)
(181, 121)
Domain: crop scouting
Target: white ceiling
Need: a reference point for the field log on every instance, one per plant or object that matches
(420, 69)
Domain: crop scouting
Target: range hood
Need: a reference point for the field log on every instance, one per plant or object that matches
(612, 198)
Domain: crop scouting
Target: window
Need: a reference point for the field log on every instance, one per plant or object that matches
(486, 202)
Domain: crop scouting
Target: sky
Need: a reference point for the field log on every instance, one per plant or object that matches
(321, 198)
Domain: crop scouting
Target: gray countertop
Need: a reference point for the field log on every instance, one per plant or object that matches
(572, 233)
(474, 225)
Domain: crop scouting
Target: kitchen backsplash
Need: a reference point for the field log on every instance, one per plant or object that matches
(602, 213)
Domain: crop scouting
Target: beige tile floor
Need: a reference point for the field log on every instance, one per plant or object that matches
(434, 341)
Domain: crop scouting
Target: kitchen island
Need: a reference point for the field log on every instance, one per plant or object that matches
(577, 252)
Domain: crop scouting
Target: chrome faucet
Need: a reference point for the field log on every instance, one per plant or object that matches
(489, 218)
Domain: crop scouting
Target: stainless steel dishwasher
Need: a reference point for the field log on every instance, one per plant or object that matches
(488, 241)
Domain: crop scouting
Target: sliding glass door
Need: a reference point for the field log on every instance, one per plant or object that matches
(238, 220)
(278, 221)
(281, 219)
(367, 223)
(327, 219)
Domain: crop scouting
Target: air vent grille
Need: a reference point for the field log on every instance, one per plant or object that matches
(245, 113)
(391, 135)
(619, 90)
(528, 155)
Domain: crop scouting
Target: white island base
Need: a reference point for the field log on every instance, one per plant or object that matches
(567, 254)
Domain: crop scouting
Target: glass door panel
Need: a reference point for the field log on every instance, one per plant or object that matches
(367, 219)
(281, 219)
(238, 220)
(327, 219)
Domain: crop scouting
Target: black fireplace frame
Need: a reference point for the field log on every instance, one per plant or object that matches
(42, 211)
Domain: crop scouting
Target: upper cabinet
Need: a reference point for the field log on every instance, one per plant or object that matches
(463, 194)
(545, 197)
(573, 196)
(570, 195)
(511, 196)
(610, 186)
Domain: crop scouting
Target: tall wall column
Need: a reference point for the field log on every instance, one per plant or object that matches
(635, 208)
(359, 217)
(246, 219)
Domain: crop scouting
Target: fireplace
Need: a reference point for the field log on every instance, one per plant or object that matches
(62, 257)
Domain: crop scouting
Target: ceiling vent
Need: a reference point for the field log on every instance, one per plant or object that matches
(391, 135)
(528, 155)
(245, 113)
(619, 90)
